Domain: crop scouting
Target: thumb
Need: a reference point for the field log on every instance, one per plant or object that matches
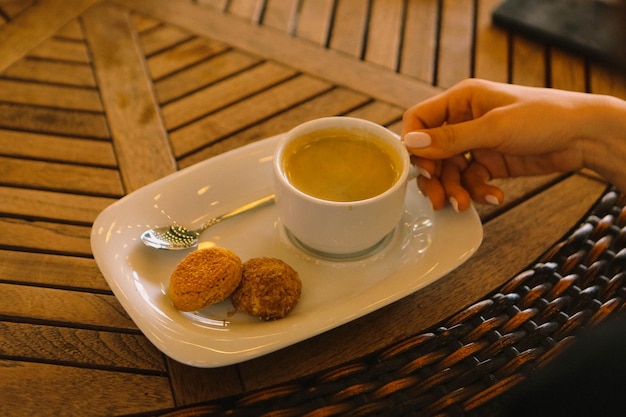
(447, 140)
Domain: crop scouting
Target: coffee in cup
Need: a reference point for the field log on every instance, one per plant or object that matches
(340, 185)
(338, 164)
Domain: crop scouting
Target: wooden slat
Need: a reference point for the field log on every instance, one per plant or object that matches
(420, 40)
(183, 55)
(243, 114)
(395, 127)
(45, 236)
(61, 177)
(71, 31)
(49, 390)
(82, 347)
(161, 37)
(51, 270)
(57, 148)
(37, 23)
(247, 9)
(53, 121)
(517, 190)
(145, 24)
(314, 21)
(529, 63)
(208, 383)
(350, 27)
(496, 261)
(225, 93)
(63, 97)
(61, 50)
(378, 112)
(204, 73)
(298, 53)
(606, 80)
(54, 72)
(50, 205)
(218, 4)
(455, 42)
(384, 35)
(128, 98)
(62, 306)
(567, 71)
(492, 45)
(280, 14)
(11, 8)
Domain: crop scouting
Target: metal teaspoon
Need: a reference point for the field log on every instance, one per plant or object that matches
(175, 237)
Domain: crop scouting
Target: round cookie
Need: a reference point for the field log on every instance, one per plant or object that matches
(269, 288)
(204, 277)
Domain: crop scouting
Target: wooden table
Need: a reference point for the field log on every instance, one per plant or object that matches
(99, 98)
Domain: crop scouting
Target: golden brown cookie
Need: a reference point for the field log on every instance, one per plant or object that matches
(204, 277)
(269, 288)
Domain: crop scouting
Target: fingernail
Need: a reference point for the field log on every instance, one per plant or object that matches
(492, 199)
(423, 172)
(417, 140)
(454, 203)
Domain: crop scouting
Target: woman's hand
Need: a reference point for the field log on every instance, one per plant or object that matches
(480, 130)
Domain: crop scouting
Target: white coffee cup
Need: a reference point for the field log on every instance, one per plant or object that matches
(340, 228)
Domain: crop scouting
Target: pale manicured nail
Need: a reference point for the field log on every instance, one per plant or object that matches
(492, 199)
(417, 140)
(423, 172)
(454, 203)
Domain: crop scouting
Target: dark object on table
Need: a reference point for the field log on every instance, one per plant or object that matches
(595, 29)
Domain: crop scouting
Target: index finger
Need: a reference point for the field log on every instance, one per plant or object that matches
(437, 111)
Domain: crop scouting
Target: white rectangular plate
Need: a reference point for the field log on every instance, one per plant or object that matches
(424, 247)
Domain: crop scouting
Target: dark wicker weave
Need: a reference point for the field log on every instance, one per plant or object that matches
(459, 367)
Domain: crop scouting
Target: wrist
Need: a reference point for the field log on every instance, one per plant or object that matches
(604, 148)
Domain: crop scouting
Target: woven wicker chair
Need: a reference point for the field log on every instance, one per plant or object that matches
(466, 365)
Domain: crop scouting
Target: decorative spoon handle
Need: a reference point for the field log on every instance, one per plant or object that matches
(176, 237)
(258, 203)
